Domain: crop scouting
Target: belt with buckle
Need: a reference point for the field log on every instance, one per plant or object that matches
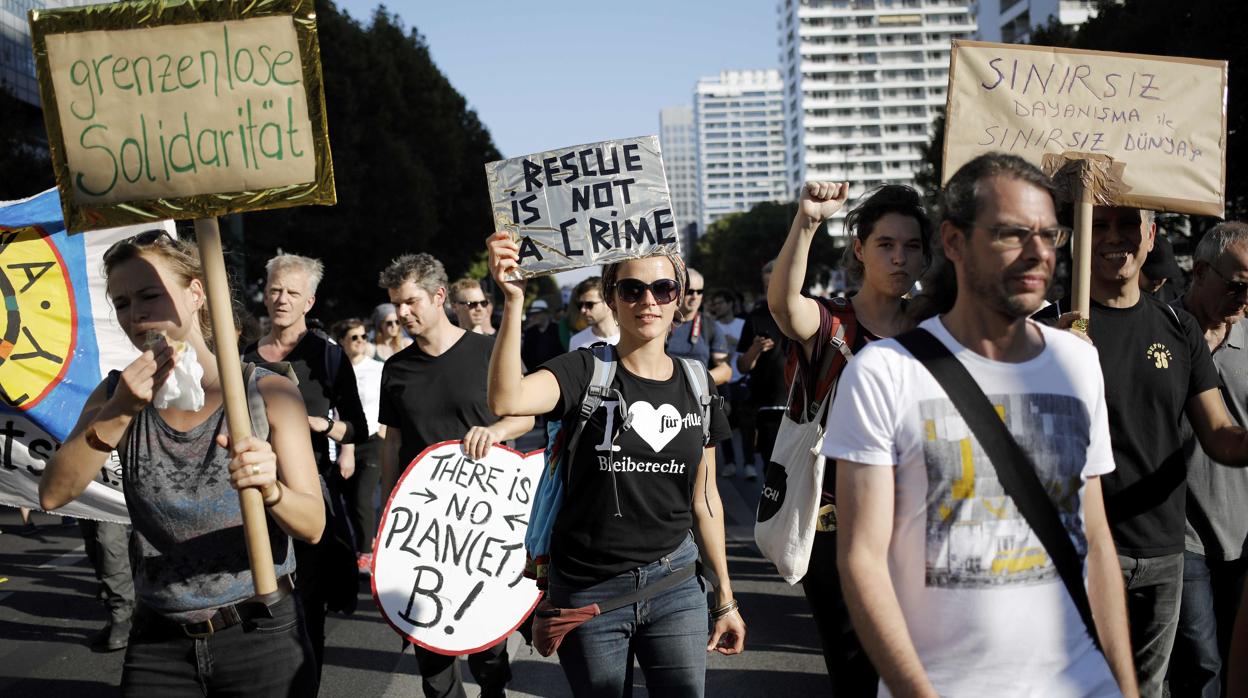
(233, 614)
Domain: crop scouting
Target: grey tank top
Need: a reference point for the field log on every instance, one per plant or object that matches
(187, 550)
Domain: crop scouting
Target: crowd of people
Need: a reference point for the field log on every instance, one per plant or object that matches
(1105, 558)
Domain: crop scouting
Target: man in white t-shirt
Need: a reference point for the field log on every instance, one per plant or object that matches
(589, 304)
(950, 590)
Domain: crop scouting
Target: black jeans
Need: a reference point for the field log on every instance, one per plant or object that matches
(849, 668)
(362, 488)
(440, 677)
(263, 657)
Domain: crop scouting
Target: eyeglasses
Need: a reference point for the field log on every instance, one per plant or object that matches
(391, 323)
(1233, 288)
(355, 338)
(586, 306)
(693, 292)
(663, 290)
(472, 305)
(1015, 236)
(143, 239)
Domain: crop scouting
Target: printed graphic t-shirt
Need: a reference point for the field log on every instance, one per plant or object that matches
(983, 602)
(629, 498)
(1153, 361)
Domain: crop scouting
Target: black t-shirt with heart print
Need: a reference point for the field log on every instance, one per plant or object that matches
(631, 505)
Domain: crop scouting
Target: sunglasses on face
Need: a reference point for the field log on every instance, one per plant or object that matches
(663, 290)
(355, 338)
(143, 239)
(693, 292)
(472, 305)
(1233, 288)
(391, 323)
(587, 306)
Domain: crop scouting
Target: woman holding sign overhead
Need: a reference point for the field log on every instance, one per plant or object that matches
(640, 482)
(198, 630)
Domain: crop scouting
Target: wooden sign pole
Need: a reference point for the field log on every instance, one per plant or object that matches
(1081, 274)
(229, 366)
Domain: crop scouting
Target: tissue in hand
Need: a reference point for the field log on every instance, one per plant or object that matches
(182, 390)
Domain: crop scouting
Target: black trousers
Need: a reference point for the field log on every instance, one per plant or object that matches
(849, 668)
(440, 677)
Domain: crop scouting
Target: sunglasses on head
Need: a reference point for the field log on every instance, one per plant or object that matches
(143, 239)
(472, 305)
(663, 290)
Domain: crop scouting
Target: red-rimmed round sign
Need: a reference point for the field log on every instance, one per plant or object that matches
(448, 559)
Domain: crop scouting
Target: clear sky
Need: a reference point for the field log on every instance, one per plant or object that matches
(552, 73)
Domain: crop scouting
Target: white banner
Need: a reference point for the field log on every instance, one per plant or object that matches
(448, 560)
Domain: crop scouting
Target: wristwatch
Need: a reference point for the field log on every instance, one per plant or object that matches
(329, 421)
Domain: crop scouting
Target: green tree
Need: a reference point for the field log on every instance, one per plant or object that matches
(735, 248)
(408, 159)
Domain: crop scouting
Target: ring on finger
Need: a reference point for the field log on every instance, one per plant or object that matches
(255, 470)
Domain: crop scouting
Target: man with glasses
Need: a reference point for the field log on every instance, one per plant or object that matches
(472, 308)
(1214, 563)
(697, 337)
(1157, 368)
(949, 587)
(600, 321)
(360, 465)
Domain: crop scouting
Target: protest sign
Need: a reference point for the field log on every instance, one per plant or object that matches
(584, 205)
(1152, 129)
(59, 337)
(182, 110)
(448, 560)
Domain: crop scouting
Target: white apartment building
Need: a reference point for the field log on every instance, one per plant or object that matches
(678, 139)
(741, 145)
(1011, 21)
(863, 81)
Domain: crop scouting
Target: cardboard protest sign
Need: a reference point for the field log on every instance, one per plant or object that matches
(584, 205)
(182, 110)
(448, 560)
(1155, 126)
(58, 339)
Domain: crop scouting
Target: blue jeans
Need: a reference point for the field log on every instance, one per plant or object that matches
(667, 632)
(264, 657)
(1211, 593)
(1154, 585)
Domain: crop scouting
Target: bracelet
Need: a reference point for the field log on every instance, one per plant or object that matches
(96, 443)
(269, 505)
(717, 613)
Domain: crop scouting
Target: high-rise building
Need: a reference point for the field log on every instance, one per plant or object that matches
(678, 139)
(17, 61)
(863, 82)
(741, 147)
(1011, 21)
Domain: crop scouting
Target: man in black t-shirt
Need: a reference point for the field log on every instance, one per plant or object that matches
(327, 571)
(761, 358)
(1156, 367)
(435, 390)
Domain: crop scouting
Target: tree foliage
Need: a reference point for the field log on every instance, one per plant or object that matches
(735, 248)
(408, 159)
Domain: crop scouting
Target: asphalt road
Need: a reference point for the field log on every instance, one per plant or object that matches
(48, 610)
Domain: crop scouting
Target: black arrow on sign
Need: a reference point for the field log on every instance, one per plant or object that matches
(513, 519)
(428, 494)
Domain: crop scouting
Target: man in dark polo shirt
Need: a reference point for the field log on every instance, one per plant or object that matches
(435, 390)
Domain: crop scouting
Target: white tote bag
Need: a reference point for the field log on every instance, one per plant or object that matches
(793, 482)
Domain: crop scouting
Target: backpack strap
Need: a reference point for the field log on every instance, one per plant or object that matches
(599, 389)
(698, 384)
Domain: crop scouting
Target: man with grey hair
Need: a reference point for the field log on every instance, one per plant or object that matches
(435, 390)
(1214, 563)
(327, 571)
(1157, 369)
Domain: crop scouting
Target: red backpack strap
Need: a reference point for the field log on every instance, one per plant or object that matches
(838, 330)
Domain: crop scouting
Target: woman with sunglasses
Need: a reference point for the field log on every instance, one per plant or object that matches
(890, 232)
(198, 629)
(640, 480)
(388, 334)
